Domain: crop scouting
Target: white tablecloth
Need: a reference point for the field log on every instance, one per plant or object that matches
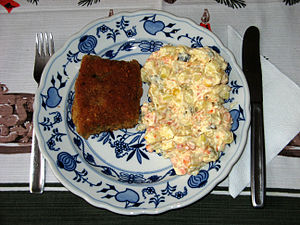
(279, 25)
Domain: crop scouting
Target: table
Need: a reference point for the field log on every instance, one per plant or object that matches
(279, 24)
(51, 208)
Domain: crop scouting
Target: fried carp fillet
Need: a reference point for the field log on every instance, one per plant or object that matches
(107, 95)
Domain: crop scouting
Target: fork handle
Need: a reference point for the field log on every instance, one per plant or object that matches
(37, 168)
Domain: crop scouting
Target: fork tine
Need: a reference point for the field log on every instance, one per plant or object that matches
(37, 45)
(46, 50)
(42, 44)
(51, 44)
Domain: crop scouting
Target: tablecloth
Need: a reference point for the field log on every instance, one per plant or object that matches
(278, 22)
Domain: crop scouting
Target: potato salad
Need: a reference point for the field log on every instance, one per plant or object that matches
(185, 119)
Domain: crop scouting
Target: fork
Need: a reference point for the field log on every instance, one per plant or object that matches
(44, 49)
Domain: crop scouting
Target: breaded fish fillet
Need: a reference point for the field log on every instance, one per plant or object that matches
(107, 95)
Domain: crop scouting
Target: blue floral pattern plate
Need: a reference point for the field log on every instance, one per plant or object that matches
(113, 170)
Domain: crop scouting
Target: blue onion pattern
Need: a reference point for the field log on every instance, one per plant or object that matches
(66, 161)
(69, 163)
(56, 136)
(144, 45)
(53, 98)
(153, 26)
(149, 191)
(180, 194)
(121, 148)
(171, 191)
(199, 180)
(110, 33)
(131, 178)
(51, 144)
(229, 100)
(103, 29)
(48, 123)
(195, 41)
(128, 196)
(123, 25)
(155, 198)
(235, 87)
(87, 44)
(150, 46)
(127, 145)
(216, 49)
(237, 115)
(168, 191)
(228, 69)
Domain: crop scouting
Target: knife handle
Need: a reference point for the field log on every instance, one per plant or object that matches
(258, 172)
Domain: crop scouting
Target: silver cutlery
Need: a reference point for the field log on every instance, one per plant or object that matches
(252, 71)
(44, 49)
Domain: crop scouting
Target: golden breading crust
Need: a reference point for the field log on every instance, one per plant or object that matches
(107, 95)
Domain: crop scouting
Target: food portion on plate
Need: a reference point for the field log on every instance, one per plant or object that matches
(185, 119)
(107, 95)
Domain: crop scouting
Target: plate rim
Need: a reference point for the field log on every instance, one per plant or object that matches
(227, 167)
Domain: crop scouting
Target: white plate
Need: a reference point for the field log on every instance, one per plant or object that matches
(114, 170)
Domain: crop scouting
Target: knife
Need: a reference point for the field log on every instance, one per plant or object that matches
(252, 71)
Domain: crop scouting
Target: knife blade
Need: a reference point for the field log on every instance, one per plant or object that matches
(252, 70)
